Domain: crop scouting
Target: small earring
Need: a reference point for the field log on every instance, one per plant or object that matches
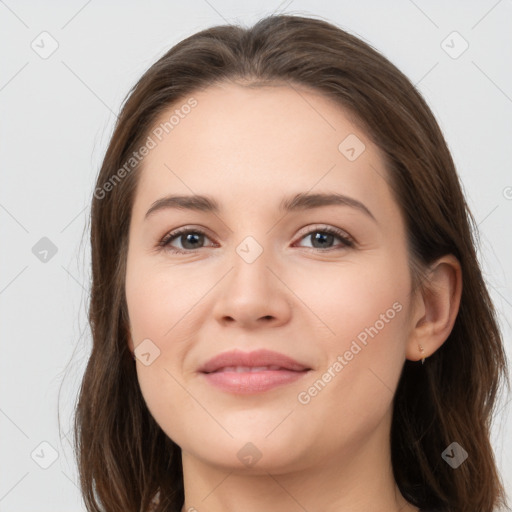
(422, 350)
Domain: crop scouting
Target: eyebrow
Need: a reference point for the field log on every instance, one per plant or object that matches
(299, 202)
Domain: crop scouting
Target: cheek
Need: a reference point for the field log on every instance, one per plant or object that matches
(159, 301)
(145, 299)
(163, 307)
(353, 390)
(347, 301)
(158, 314)
(362, 333)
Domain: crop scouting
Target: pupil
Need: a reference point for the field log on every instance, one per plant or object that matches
(186, 237)
(321, 237)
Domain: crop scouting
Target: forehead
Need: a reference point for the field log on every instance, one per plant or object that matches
(259, 142)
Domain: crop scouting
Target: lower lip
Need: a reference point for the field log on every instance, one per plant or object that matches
(252, 382)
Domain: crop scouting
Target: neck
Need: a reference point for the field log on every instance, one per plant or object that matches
(350, 480)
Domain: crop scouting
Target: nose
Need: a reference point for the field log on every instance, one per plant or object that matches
(253, 295)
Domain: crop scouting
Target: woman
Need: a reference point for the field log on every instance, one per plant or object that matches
(287, 309)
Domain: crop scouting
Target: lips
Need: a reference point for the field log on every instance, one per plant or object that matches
(256, 361)
(238, 372)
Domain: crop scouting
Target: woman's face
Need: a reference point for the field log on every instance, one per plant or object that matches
(254, 275)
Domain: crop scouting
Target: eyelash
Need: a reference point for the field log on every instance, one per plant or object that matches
(164, 243)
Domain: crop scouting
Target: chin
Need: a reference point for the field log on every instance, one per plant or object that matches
(247, 453)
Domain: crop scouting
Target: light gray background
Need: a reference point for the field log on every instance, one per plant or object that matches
(56, 118)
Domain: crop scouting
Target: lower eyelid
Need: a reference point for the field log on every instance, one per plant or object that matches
(345, 239)
(165, 242)
(345, 242)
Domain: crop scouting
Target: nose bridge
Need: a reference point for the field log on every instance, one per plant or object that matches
(250, 267)
(251, 292)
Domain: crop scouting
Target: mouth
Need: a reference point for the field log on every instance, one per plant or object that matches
(252, 369)
(254, 372)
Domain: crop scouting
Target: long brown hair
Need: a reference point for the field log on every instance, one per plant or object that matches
(124, 457)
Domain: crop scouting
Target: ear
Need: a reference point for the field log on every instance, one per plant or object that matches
(435, 308)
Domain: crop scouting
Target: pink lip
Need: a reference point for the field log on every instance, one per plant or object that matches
(252, 381)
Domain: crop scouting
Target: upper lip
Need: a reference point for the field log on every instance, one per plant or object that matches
(260, 357)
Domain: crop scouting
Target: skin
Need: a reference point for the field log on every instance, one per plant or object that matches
(249, 148)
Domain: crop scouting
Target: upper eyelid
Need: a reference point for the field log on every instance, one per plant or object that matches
(174, 234)
(320, 227)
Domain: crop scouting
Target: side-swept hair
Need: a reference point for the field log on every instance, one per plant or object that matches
(124, 457)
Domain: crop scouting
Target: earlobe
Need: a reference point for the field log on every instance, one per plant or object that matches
(439, 299)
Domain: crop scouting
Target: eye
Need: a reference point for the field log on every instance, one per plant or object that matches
(322, 237)
(190, 239)
(193, 239)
